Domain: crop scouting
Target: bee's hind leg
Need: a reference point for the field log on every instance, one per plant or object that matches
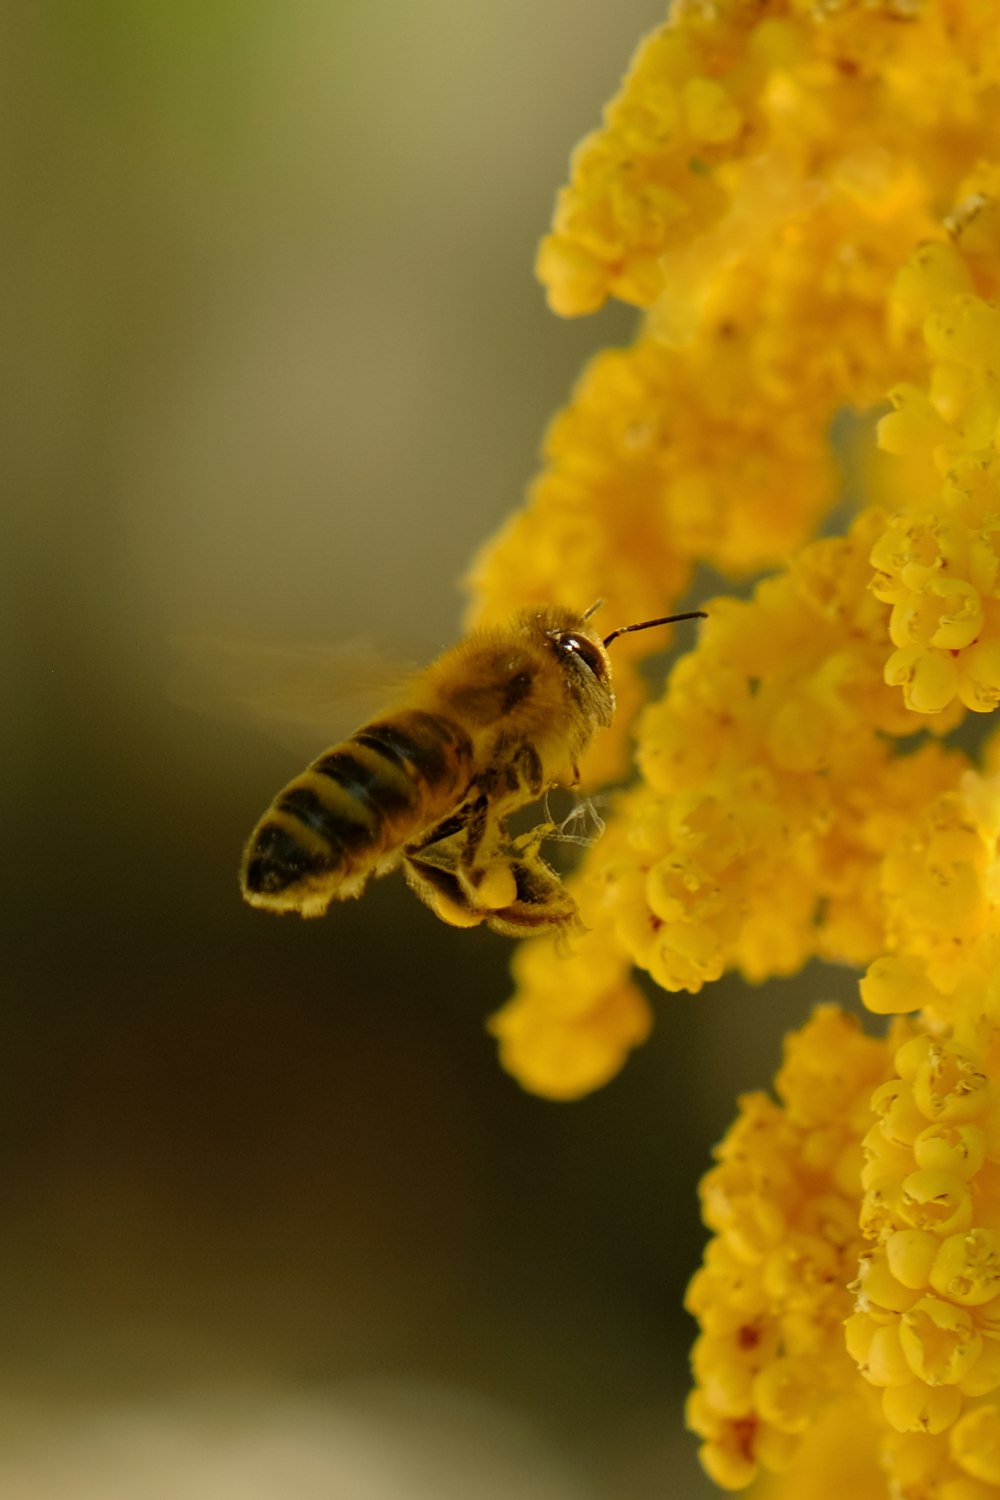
(542, 903)
(435, 866)
(440, 888)
(468, 852)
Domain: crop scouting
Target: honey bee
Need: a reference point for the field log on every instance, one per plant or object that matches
(486, 729)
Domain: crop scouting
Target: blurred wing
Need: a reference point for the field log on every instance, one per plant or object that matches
(303, 696)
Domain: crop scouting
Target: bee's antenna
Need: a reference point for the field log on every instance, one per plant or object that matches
(592, 610)
(695, 614)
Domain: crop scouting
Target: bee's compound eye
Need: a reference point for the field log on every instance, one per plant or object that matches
(586, 650)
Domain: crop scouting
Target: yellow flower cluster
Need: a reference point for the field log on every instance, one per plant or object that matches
(927, 1326)
(658, 460)
(773, 790)
(858, 94)
(771, 800)
(940, 885)
(770, 789)
(803, 197)
(772, 1294)
(847, 1453)
(764, 257)
(570, 1028)
(804, 1325)
(938, 559)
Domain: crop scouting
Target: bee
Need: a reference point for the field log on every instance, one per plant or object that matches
(485, 730)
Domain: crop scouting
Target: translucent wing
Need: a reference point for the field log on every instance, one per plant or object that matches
(301, 695)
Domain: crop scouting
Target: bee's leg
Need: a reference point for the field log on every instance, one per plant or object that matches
(436, 866)
(542, 903)
(465, 858)
(482, 857)
(448, 829)
(524, 769)
(459, 844)
(514, 778)
(506, 883)
(475, 831)
(582, 825)
(441, 890)
(509, 773)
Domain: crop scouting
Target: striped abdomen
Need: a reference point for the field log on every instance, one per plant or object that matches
(352, 809)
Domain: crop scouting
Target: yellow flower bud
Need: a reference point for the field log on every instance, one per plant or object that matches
(950, 1084)
(775, 1448)
(788, 1393)
(957, 1149)
(729, 1465)
(709, 112)
(975, 1443)
(886, 1363)
(912, 1055)
(859, 1334)
(933, 272)
(978, 676)
(878, 1285)
(936, 1201)
(893, 986)
(967, 1268)
(984, 1377)
(912, 426)
(725, 1378)
(921, 1408)
(899, 1118)
(910, 1254)
(928, 679)
(577, 281)
(965, 329)
(962, 618)
(939, 1341)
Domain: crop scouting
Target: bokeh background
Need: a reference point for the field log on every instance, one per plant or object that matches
(274, 1223)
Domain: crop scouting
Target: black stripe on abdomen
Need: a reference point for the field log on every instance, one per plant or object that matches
(354, 804)
(276, 860)
(346, 828)
(380, 790)
(426, 747)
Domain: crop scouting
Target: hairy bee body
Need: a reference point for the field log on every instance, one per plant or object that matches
(483, 731)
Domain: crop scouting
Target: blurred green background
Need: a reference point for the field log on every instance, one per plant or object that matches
(274, 1223)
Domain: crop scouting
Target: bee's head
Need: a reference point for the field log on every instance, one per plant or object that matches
(584, 663)
(583, 654)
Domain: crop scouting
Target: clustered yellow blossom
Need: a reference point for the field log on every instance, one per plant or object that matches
(802, 197)
(940, 885)
(770, 792)
(772, 809)
(938, 559)
(772, 1294)
(926, 1331)
(877, 98)
(568, 1033)
(853, 1281)
(764, 258)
